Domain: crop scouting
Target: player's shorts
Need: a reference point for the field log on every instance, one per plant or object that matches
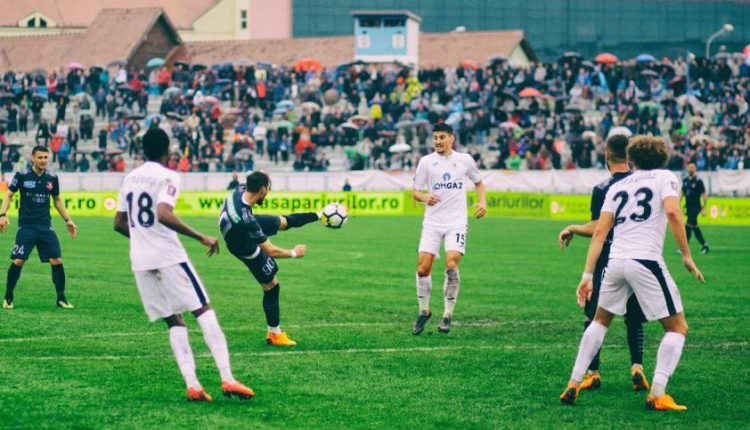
(648, 280)
(452, 238)
(43, 238)
(692, 216)
(262, 266)
(170, 290)
(270, 224)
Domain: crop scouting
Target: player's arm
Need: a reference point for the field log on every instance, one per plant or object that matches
(603, 225)
(480, 209)
(121, 224)
(704, 202)
(165, 214)
(420, 184)
(60, 206)
(566, 234)
(674, 218)
(276, 252)
(4, 221)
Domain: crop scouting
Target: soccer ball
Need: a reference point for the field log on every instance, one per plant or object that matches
(334, 215)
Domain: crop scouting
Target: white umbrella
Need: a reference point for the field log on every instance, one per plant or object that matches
(311, 106)
(400, 147)
(619, 131)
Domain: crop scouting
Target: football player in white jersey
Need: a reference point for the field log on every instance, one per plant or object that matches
(639, 208)
(166, 280)
(445, 175)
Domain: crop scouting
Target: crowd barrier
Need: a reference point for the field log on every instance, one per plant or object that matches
(721, 211)
(725, 183)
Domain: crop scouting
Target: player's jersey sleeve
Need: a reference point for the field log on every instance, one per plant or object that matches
(13, 186)
(55, 191)
(701, 187)
(597, 201)
(668, 185)
(609, 205)
(472, 172)
(170, 189)
(420, 178)
(684, 186)
(122, 204)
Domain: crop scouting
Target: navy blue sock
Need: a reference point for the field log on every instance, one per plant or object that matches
(14, 272)
(635, 340)
(58, 278)
(271, 306)
(300, 219)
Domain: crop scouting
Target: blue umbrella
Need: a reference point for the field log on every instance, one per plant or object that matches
(155, 62)
(286, 104)
(645, 58)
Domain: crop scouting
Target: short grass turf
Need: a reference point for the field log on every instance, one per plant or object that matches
(350, 304)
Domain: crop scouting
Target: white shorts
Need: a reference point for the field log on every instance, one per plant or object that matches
(453, 238)
(170, 290)
(649, 280)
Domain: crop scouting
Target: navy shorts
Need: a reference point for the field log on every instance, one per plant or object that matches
(692, 216)
(263, 267)
(43, 238)
(270, 224)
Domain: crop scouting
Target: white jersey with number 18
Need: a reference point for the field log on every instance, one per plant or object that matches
(152, 244)
(446, 177)
(637, 203)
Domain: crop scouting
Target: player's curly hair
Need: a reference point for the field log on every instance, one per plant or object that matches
(648, 152)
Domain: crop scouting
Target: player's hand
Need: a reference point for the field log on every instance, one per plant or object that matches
(480, 210)
(432, 200)
(703, 212)
(692, 268)
(584, 291)
(565, 237)
(300, 250)
(4, 222)
(72, 228)
(212, 243)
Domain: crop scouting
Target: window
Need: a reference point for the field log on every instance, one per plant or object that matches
(31, 22)
(369, 22)
(398, 41)
(363, 41)
(243, 19)
(393, 22)
(42, 23)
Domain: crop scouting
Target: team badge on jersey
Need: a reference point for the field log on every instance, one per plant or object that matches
(171, 190)
(446, 176)
(49, 186)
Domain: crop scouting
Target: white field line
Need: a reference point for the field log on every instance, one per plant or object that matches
(477, 324)
(418, 349)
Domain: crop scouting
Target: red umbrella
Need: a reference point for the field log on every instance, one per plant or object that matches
(75, 65)
(746, 51)
(211, 99)
(306, 64)
(469, 64)
(530, 92)
(606, 58)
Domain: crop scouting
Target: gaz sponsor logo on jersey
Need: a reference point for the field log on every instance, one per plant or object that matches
(446, 184)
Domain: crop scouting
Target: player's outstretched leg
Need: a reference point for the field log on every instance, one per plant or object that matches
(591, 342)
(275, 335)
(667, 358)
(592, 380)
(58, 279)
(217, 344)
(14, 272)
(298, 219)
(178, 340)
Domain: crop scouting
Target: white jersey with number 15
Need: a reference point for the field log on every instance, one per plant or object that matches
(637, 203)
(152, 244)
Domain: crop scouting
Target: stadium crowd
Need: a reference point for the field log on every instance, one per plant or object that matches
(225, 117)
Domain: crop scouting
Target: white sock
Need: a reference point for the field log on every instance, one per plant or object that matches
(217, 343)
(424, 286)
(667, 357)
(451, 287)
(591, 341)
(178, 339)
(275, 330)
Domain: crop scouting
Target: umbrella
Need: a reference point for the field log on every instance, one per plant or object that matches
(588, 134)
(495, 59)
(285, 124)
(469, 64)
(352, 153)
(286, 104)
(619, 131)
(40, 97)
(588, 64)
(349, 125)
(453, 119)
(243, 63)
(530, 92)
(405, 124)
(137, 116)
(746, 51)
(114, 151)
(400, 147)
(358, 118)
(648, 105)
(175, 116)
(307, 64)
(573, 108)
(171, 91)
(649, 73)
(74, 65)
(645, 58)
(124, 88)
(471, 106)
(509, 125)
(199, 67)
(606, 58)
(155, 62)
(693, 100)
(182, 64)
(211, 99)
(120, 63)
(264, 65)
(7, 96)
(40, 72)
(509, 94)
(312, 106)
(280, 111)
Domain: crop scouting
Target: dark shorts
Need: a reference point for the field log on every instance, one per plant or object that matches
(270, 224)
(692, 216)
(633, 311)
(262, 266)
(43, 238)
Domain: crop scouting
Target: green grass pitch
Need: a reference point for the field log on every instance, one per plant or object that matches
(350, 304)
